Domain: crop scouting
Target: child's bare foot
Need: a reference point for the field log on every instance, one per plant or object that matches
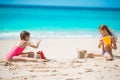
(42, 60)
(109, 59)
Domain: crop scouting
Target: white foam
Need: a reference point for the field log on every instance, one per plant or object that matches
(46, 34)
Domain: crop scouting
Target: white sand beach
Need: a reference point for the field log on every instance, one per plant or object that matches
(64, 64)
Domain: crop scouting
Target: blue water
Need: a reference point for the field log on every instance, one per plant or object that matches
(56, 22)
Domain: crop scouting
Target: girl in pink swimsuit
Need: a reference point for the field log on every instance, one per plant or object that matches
(15, 53)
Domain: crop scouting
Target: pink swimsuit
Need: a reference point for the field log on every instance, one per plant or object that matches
(14, 52)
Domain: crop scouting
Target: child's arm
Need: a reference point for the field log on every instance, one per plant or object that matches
(34, 46)
(114, 45)
(100, 42)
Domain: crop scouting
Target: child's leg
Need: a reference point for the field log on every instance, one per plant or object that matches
(108, 56)
(18, 58)
(97, 54)
(92, 55)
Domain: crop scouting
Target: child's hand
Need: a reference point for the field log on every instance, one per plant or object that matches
(101, 42)
(38, 42)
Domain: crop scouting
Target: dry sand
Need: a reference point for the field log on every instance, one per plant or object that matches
(64, 65)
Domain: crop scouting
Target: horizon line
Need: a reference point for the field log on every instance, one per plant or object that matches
(55, 6)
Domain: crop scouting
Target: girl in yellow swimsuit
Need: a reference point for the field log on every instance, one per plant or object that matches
(107, 42)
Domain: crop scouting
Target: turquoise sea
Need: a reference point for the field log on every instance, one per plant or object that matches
(46, 21)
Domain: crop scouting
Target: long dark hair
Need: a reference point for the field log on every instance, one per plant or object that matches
(104, 27)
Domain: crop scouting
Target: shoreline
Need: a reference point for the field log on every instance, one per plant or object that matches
(49, 35)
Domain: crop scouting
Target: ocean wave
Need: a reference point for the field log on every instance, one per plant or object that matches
(46, 34)
(51, 34)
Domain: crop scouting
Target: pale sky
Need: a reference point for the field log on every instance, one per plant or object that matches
(73, 3)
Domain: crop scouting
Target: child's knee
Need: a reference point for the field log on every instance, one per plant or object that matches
(108, 56)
